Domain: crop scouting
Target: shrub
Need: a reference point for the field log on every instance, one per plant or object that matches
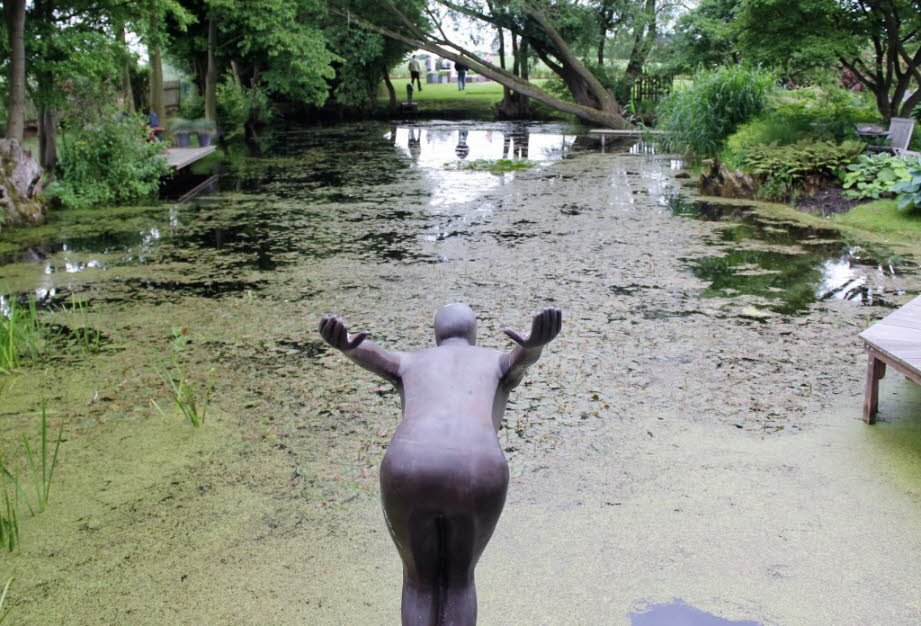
(909, 192)
(784, 170)
(766, 129)
(108, 162)
(702, 116)
(873, 175)
(237, 104)
(823, 112)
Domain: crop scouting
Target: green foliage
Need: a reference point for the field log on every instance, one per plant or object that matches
(192, 106)
(705, 36)
(699, 118)
(784, 169)
(108, 162)
(493, 166)
(908, 193)
(874, 175)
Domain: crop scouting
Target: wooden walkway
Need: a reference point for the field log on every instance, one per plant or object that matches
(895, 341)
(631, 132)
(178, 158)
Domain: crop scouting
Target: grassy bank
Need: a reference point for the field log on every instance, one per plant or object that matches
(444, 100)
(884, 219)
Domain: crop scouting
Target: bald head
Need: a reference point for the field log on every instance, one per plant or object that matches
(455, 320)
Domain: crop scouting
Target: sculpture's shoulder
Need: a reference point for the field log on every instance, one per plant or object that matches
(438, 354)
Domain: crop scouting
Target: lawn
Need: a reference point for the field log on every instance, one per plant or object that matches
(885, 219)
(445, 100)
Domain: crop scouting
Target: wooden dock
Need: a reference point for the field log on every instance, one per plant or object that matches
(631, 132)
(895, 341)
(178, 158)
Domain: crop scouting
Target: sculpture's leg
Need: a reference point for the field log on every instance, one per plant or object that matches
(465, 539)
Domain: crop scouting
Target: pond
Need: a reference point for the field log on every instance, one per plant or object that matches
(686, 323)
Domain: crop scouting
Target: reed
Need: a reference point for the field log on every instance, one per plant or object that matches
(89, 339)
(4, 613)
(9, 526)
(20, 332)
(43, 471)
(185, 396)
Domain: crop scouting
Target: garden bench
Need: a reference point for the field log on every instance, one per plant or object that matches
(895, 341)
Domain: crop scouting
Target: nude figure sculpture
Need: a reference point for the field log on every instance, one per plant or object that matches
(444, 476)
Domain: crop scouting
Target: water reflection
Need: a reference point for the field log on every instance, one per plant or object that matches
(432, 146)
(808, 264)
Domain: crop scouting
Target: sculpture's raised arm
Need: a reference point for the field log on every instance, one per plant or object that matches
(361, 350)
(544, 327)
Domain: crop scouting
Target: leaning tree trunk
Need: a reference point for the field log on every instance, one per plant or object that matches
(644, 35)
(211, 73)
(391, 92)
(16, 107)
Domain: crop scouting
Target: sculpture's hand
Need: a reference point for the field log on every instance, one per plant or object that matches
(545, 326)
(334, 331)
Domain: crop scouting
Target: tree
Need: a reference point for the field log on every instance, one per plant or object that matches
(706, 36)
(878, 41)
(535, 26)
(15, 14)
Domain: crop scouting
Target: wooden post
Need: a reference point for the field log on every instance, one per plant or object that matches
(876, 369)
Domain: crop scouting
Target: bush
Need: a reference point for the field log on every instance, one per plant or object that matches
(822, 112)
(909, 192)
(810, 113)
(873, 175)
(108, 162)
(237, 104)
(702, 116)
(784, 170)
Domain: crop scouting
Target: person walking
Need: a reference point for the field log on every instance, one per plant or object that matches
(461, 70)
(415, 72)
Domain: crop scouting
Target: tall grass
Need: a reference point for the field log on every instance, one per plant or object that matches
(20, 332)
(701, 117)
(185, 396)
(41, 466)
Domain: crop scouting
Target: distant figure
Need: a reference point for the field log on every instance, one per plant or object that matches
(462, 150)
(444, 476)
(155, 131)
(414, 72)
(461, 76)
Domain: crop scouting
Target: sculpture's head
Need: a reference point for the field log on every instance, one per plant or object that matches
(455, 320)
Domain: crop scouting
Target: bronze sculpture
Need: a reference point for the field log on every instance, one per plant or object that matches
(444, 476)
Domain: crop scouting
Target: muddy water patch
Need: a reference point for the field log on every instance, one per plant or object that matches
(787, 267)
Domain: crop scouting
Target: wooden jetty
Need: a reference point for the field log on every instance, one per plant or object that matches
(178, 158)
(627, 132)
(895, 341)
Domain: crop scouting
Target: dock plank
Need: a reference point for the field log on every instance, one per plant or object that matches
(178, 158)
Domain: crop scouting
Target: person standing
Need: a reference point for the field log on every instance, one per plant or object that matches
(415, 72)
(461, 70)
